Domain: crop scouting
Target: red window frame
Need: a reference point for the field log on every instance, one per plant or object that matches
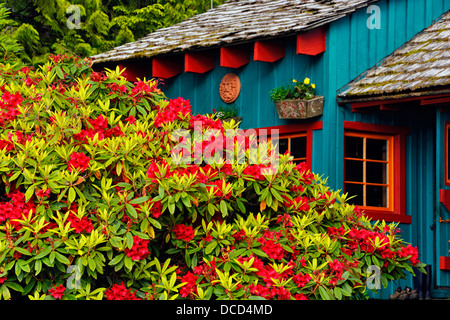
(294, 130)
(397, 210)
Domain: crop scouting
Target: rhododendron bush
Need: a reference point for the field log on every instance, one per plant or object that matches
(94, 205)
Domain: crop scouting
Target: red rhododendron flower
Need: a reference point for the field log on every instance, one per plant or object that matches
(156, 209)
(120, 292)
(43, 194)
(57, 292)
(301, 279)
(184, 232)
(273, 250)
(190, 287)
(130, 119)
(78, 160)
(80, 225)
(139, 250)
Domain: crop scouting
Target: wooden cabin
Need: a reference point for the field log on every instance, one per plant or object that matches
(383, 68)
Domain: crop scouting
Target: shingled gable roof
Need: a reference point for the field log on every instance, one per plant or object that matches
(420, 67)
(236, 21)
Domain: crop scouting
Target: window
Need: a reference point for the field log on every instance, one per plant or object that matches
(295, 138)
(374, 169)
(295, 144)
(368, 169)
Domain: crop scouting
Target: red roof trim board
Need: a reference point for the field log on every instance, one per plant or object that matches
(135, 70)
(269, 51)
(199, 62)
(234, 57)
(167, 67)
(312, 42)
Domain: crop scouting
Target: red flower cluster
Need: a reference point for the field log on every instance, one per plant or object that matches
(298, 204)
(16, 208)
(139, 250)
(190, 287)
(57, 292)
(156, 209)
(270, 293)
(205, 122)
(301, 279)
(409, 250)
(78, 160)
(9, 104)
(218, 188)
(175, 110)
(99, 127)
(272, 249)
(365, 240)
(256, 171)
(184, 232)
(337, 268)
(120, 292)
(81, 225)
(43, 194)
(142, 88)
(98, 76)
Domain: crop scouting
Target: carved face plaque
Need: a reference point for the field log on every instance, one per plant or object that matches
(230, 87)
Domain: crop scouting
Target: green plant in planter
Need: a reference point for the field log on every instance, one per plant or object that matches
(225, 112)
(294, 90)
(93, 204)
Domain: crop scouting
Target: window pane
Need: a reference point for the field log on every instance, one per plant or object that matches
(354, 147)
(283, 145)
(298, 147)
(354, 170)
(376, 149)
(376, 172)
(355, 190)
(376, 196)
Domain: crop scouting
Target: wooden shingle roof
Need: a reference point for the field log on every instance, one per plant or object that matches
(236, 21)
(420, 67)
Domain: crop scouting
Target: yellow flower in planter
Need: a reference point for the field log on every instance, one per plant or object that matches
(307, 81)
(294, 81)
(313, 86)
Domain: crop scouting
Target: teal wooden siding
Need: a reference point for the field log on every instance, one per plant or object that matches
(352, 48)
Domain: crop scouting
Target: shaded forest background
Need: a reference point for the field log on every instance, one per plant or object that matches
(31, 30)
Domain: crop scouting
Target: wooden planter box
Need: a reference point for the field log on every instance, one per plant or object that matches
(300, 109)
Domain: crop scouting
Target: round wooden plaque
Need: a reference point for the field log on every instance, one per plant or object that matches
(230, 87)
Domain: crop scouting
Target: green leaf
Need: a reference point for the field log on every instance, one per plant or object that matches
(5, 292)
(210, 247)
(61, 258)
(223, 208)
(139, 200)
(29, 193)
(129, 238)
(116, 259)
(15, 286)
(131, 210)
(324, 293)
(72, 194)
